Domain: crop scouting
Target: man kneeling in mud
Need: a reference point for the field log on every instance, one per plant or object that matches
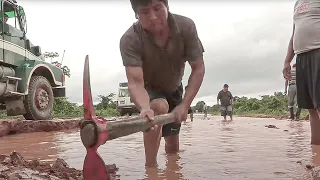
(226, 102)
(154, 51)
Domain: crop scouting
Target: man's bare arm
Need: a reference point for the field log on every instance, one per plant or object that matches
(194, 55)
(285, 86)
(136, 87)
(130, 49)
(195, 81)
(290, 52)
(231, 99)
(218, 97)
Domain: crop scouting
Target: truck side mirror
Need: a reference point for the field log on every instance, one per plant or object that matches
(23, 17)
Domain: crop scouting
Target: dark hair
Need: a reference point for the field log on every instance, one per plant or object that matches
(225, 86)
(136, 3)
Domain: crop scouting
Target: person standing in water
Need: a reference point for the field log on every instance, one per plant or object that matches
(205, 110)
(190, 111)
(155, 50)
(290, 87)
(226, 102)
(305, 44)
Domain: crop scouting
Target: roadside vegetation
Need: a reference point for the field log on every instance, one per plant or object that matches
(267, 105)
(64, 109)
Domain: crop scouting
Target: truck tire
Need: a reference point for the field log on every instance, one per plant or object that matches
(123, 112)
(39, 101)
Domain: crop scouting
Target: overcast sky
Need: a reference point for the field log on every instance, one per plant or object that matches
(245, 42)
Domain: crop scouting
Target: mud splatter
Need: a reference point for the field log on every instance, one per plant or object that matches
(15, 167)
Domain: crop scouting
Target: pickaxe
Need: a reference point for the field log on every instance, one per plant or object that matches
(96, 131)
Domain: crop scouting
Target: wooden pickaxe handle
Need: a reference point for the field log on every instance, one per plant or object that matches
(90, 130)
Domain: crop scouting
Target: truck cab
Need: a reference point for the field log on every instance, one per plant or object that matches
(28, 84)
(124, 102)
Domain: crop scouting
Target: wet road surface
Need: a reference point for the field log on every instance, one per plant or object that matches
(210, 149)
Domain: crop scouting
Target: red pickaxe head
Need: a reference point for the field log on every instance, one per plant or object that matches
(94, 167)
(95, 131)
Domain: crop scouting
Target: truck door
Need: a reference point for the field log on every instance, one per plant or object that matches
(13, 41)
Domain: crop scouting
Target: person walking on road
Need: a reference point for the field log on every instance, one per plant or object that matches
(154, 51)
(190, 111)
(305, 44)
(226, 102)
(290, 87)
(205, 110)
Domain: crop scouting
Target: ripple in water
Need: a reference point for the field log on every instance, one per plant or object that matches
(210, 149)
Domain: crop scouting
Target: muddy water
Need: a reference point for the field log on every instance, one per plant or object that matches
(210, 149)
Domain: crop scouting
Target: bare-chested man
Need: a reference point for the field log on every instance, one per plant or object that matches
(154, 51)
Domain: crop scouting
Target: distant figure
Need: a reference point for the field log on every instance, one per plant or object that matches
(190, 109)
(205, 110)
(191, 114)
(226, 102)
(292, 94)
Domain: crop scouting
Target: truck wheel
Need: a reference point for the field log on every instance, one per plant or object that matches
(122, 112)
(39, 101)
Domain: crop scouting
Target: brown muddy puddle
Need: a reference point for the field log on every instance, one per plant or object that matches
(210, 149)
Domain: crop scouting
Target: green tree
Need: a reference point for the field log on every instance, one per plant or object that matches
(52, 55)
(63, 108)
(106, 101)
(199, 106)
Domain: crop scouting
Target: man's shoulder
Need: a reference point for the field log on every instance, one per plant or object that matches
(130, 32)
(181, 19)
(296, 3)
(130, 36)
(183, 22)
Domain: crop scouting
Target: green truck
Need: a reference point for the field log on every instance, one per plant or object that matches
(28, 84)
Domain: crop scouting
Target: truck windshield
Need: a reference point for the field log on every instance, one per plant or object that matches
(124, 93)
(12, 14)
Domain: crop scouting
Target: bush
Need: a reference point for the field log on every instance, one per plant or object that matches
(63, 108)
